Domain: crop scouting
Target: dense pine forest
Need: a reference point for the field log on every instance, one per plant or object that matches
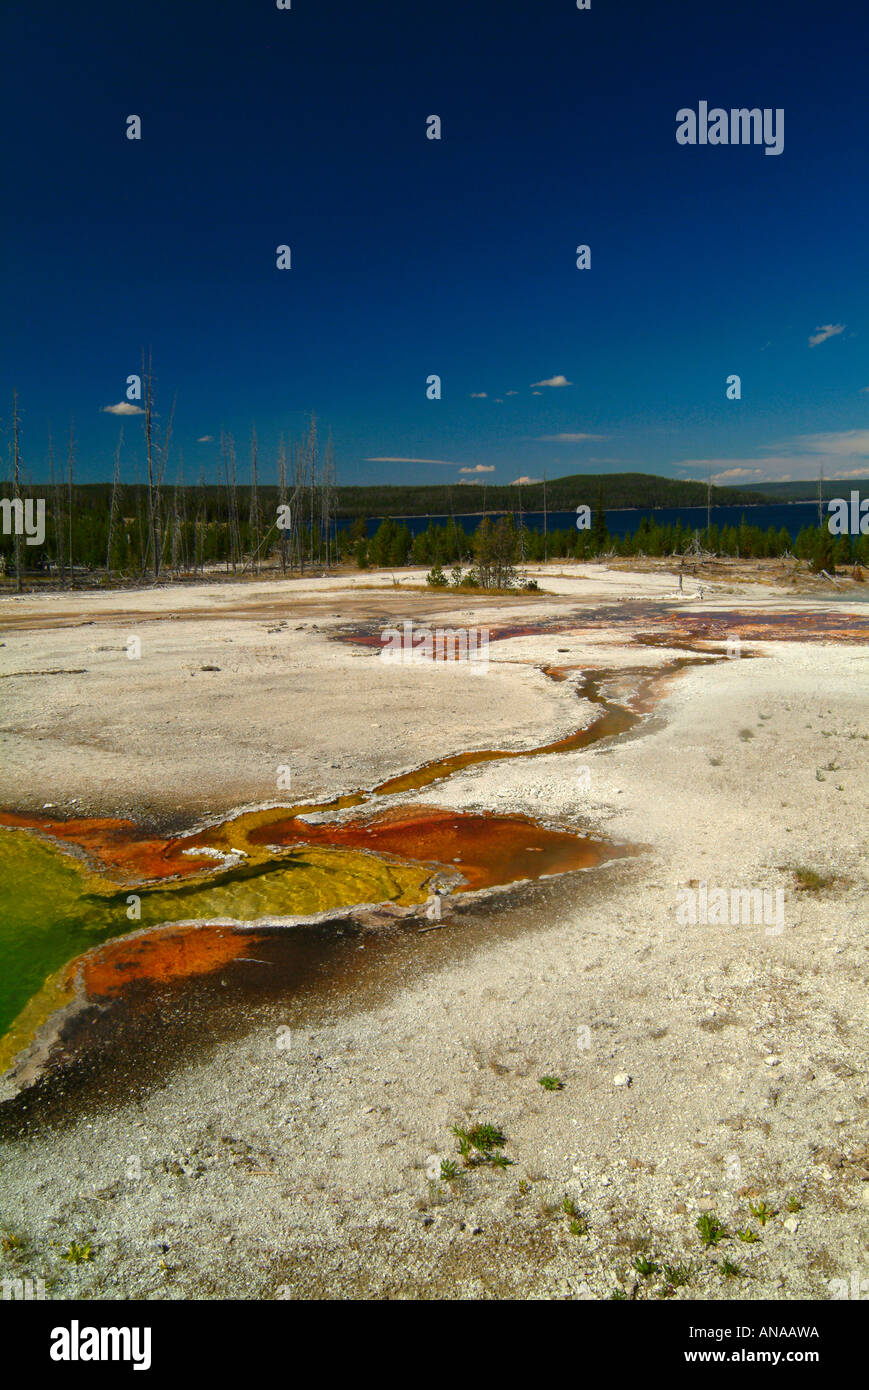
(104, 532)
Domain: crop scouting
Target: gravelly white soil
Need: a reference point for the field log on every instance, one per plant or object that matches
(293, 1164)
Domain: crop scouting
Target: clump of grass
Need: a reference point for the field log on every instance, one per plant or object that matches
(617, 1295)
(578, 1224)
(761, 1212)
(10, 1242)
(449, 1170)
(716, 762)
(551, 1083)
(794, 1204)
(730, 1270)
(746, 734)
(479, 1143)
(748, 1235)
(676, 1276)
(808, 881)
(710, 1229)
(79, 1252)
(645, 1267)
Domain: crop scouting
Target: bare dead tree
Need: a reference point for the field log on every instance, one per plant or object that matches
(227, 449)
(70, 503)
(154, 542)
(282, 500)
(312, 476)
(113, 510)
(58, 512)
(199, 536)
(16, 458)
(254, 513)
(329, 499)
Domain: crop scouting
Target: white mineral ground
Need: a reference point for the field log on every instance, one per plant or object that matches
(299, 1170)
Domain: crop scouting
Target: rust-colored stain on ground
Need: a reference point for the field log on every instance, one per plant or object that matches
(117, 847)
(774, 626)
(160, 955)
(485, 850)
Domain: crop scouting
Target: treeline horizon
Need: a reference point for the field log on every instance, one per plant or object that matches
(108, 532)
(451, 544)
(377, 500)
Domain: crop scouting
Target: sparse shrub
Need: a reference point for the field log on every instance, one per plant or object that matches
(761, 1212)
(710, 1229)
(79, 1252)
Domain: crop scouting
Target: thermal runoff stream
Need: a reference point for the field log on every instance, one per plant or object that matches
(69, 887)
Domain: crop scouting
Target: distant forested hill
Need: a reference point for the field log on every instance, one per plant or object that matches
(808, 491)
(562, 494)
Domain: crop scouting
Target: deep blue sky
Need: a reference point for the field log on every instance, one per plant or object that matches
(456, 257)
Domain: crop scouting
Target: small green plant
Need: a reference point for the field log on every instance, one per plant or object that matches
(456, 575)
(568, 1206)
(523, 1188)
(746, 734)
(551, 1083)
(436, 578)
(715, 762)
(578, 1226)
(730, 1270)
(748, 1235)
(710, 1229)
(645, 1267)
(486, 1137)
(808, 881)
(10, 1242)
(449, 1170)
(476, 1144)
(617, 1295)
(761, 1212)
(79, 1252)
(793, 1204)
(677, 1275)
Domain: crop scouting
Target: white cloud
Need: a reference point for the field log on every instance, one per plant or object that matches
(516, 393)
(839, 443)
(479, 395)
(479, 468)
(787, 467)
(448, 463)
(825, 331)
(122, 408)
(568, 438)
(553, 381)
(517, 481)
(205, 439)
